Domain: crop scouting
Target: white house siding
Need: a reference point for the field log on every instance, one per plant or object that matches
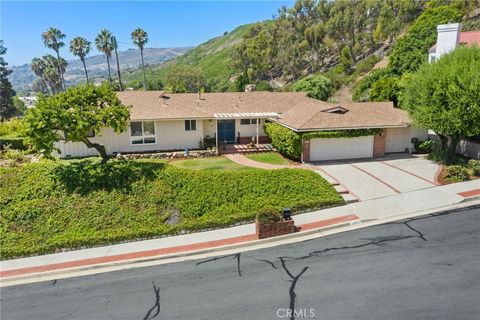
(209, 127)
(73, 149)
(249, 130)
(399, 139)
(170, 135)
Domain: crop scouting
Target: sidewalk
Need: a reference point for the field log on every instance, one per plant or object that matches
(244, 235)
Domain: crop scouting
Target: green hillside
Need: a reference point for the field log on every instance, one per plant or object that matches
(212, 58)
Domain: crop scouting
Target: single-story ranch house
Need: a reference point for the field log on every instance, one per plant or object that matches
(162, 121)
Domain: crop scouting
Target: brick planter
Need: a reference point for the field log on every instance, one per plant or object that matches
(267, 230)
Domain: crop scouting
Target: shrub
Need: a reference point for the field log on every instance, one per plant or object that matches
(286, 141)
(443, 155)
(68, 204)
(316, 86)
(263, 86)
(410, 51)
(474, 166)
(385, 89)
(362, 87)
(13, 143)
(18, 156)
(456, 173)
(425, 146)
(268, 215)
(366, 65)
(12, 128)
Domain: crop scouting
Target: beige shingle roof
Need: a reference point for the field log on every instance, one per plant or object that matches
(358, 115)
(149, 105)
(295, 108)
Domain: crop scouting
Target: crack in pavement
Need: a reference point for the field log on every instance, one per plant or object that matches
(233, 256)
(291, 291)
(407, 224)
(264, 260)
(370, 243)
(156, 306)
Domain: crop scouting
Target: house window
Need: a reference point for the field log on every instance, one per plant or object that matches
(248, 121)
(190, 125)
(142, 132)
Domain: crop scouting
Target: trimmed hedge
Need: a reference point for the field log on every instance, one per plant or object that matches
(286, 141)
(15, 143)
(289, 142)
(51, 205)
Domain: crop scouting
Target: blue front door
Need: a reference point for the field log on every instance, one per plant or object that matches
(226, 131)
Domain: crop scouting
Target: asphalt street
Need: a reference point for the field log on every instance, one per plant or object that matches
(423, 268)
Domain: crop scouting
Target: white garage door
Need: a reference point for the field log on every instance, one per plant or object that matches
(341, 148)
(398, 140)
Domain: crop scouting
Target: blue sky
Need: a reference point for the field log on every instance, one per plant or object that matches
(168, 23)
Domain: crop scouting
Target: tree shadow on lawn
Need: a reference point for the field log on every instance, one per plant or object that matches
(85, 176)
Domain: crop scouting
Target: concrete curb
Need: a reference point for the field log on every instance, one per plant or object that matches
(229, 249)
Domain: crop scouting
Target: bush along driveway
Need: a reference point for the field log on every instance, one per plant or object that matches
(50, 205)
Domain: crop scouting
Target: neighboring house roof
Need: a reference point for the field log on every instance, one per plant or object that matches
(466, 38)
(359, 115)
(295, 109)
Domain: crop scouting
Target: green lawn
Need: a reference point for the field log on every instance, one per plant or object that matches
(213, 163)
(268, 157)
(51, 205)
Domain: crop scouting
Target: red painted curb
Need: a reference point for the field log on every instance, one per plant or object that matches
(163, 251)
(470, 193)
(127, 256)
(328, 222)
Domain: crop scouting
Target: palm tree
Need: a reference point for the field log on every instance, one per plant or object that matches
(140, 38)
(103, 41)
(80, 47)
(51, 72)
(52, 40)
(115, 47)
(38, 67)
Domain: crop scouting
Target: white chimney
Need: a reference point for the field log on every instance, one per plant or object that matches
(448, 36)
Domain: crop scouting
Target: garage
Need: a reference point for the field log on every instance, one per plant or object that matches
(398, 139)
(341, 148)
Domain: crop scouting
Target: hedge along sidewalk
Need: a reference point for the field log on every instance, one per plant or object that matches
(164, 246)
(312, 222)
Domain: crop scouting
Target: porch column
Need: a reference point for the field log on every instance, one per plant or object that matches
(216, 133)
(258, 142)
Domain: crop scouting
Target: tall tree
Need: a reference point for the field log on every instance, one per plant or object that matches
(51, 72)
(7, 108)
(445, 96)
(38, 67)
(103, 41)
(115, 47)
(52, 39)
(80, 47)
(140, 38)
(72, 114)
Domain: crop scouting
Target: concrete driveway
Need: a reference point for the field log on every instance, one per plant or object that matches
(376, 178)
